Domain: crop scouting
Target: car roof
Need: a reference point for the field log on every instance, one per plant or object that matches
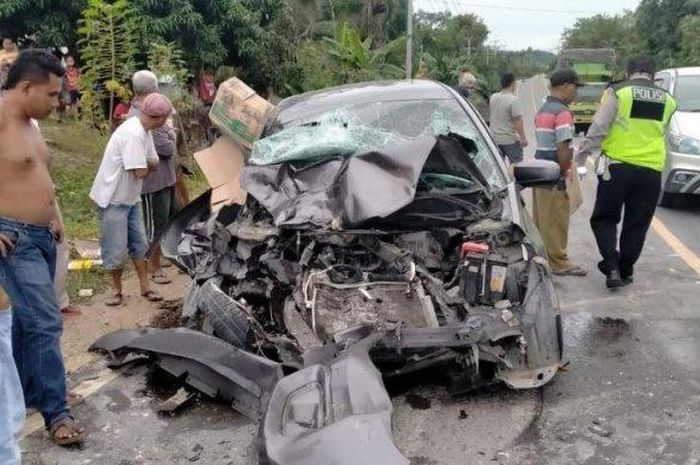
(316, 102)
(687, 71)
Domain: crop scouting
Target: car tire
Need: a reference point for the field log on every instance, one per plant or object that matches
(227, 318)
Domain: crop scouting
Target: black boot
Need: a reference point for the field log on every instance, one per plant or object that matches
(614, 280)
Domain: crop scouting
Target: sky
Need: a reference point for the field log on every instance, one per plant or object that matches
(519, 24)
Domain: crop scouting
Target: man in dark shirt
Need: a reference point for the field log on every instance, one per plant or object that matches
(158, 194)
(554, 130)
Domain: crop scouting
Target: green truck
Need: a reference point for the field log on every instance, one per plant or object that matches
(595, 67)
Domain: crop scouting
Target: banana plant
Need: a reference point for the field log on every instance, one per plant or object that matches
(356, 60)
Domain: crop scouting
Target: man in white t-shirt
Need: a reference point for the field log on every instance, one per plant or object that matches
(129, 155)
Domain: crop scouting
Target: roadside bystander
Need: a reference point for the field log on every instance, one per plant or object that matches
(158, 192)
(554, 131)
(11, 398)
(468, 87)
(129, 156)
(30, 227)
(73, 84)
(8, 54)
(506, 120)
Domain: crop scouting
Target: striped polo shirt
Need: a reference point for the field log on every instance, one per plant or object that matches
(554, 123)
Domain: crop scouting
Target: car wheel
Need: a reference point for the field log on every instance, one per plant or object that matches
(225, 315)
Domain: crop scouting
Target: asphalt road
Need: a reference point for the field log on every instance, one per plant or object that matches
(630, 394)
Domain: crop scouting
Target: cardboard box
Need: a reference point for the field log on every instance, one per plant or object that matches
(239, 112)
(222, 164)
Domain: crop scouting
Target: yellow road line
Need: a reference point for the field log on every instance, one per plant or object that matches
(687, 255)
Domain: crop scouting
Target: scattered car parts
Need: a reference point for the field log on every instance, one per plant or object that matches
(345, 268)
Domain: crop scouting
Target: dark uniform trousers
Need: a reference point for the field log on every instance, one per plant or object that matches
(637, 190)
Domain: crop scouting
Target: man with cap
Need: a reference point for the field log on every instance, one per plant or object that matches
(129, 156)
(554, 131)
(158, 198)
(627, 138)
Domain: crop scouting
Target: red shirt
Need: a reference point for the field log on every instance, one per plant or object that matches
(206, 88)
(73, 77)
(121, 111)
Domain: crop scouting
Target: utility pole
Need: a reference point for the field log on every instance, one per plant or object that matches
(409, 41)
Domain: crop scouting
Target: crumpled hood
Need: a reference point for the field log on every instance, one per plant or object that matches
(346, 191)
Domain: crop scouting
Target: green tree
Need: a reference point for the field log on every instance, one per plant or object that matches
(448, 45)
(618, 32)
(690, 40)
(53, 22)
(444, 34)
(108, 45)
(657, 23)
(347, 58)
(355, 60)
(167, 62)
(254, 35)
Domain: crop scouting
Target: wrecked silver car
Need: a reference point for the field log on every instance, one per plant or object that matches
(382, 236)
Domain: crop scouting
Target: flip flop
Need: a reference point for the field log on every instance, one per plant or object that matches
(70, 424)
(152, 296)
(71, 311)
(161, 278)
(575, 270)
(74, 399)
(116, 300)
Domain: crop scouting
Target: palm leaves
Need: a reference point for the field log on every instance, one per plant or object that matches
(108, 44)
(355, 60)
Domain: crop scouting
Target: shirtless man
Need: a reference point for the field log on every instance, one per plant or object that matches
(30, 226)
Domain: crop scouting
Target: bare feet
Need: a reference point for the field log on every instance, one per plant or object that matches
(66, 432)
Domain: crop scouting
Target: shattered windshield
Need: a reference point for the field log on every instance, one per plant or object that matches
(363, 127)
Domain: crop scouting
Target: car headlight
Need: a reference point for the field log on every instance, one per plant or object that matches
(684, 144)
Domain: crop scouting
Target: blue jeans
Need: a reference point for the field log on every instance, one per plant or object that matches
(11, 399)
(27, 274)
(123, 235)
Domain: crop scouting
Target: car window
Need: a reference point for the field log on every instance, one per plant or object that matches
(687, 93)
(372, 125)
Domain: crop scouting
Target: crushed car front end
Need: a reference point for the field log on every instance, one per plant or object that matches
(371, 248)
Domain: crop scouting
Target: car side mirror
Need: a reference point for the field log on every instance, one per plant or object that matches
(536, 173)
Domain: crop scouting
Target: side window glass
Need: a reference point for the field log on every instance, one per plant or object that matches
(663, 80)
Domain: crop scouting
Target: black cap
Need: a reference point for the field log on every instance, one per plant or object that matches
(565, 76)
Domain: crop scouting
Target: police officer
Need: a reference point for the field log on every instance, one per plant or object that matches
(627, 140)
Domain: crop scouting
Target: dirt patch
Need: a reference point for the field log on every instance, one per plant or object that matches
(169, 314)
(612, 322)
(98, 319)
(418, 402)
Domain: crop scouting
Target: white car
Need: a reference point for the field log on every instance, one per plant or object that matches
(682, 173)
